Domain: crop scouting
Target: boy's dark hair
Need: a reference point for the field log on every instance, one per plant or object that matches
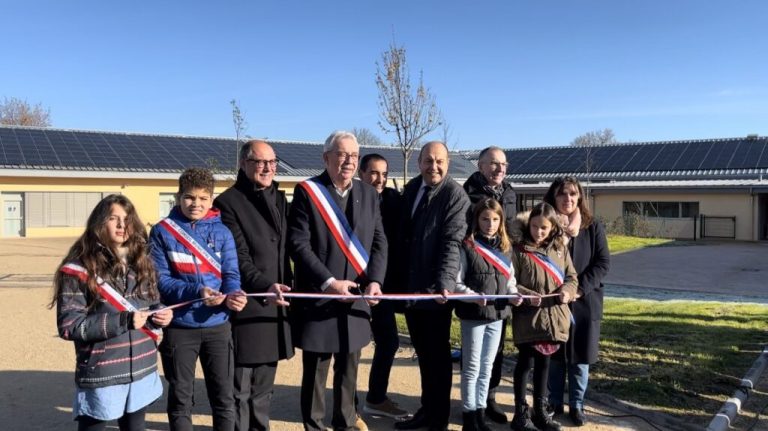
(196, 178)
(368, 158)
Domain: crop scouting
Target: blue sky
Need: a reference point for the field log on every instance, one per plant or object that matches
(507, 73)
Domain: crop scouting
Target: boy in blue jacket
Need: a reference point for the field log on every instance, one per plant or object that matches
(195, 257)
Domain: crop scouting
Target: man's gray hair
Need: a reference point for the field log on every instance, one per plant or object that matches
(246, 150)
(487, 150)
(335, 137)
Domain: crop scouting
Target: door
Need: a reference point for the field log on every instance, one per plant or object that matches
(13, 215)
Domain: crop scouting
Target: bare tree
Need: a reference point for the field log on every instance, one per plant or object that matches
(240, 126)
(366, 137)
(17, 112)
(589, 142)
(410, 113)
(447, 134)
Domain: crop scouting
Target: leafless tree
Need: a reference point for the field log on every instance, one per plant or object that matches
(366, 137)
(408, 112)
(240, 126)
(17, 112)
(589, 142)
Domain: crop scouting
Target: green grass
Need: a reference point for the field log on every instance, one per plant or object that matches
(681, 357)
(620, 243)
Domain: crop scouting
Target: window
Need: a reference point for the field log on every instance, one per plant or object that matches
(662, 209)
(65, 209)
(167, 202)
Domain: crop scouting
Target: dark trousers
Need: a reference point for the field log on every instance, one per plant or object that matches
(254, 386)
(496, 371)
(128, 422)
(430, 334)
(180, 350)
(313, 381)
(528, 358)
(387, 341)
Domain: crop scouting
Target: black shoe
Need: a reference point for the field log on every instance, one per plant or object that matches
(554, 409)
(480, 419)
(522, 419)
(577, 416)
(494, 412)
(419, 420)
(469, 421)
(541, 419)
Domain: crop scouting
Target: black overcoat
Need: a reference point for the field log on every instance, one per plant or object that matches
(261, 331)
(474, 186)
(332, 326)
(591, 258)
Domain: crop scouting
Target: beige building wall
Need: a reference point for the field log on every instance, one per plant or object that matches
(144, 193)
(739, 205)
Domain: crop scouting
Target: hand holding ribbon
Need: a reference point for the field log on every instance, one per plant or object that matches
(277, 289)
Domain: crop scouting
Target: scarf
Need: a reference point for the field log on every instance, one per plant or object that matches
(571, 225)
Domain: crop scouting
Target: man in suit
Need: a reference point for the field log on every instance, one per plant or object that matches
(326, 263)
(255, 210)
(487, 182)
(374, 171)
(433, 224)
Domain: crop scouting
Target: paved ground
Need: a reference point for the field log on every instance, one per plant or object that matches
(723, 268)
(36, 380)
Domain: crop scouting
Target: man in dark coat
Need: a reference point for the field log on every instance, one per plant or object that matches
(332, 328)
(374, 171)
(256, 213)
(487, 182)
(433, 224)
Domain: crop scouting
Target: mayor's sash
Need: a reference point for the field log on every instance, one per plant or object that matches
(338, 225)
(195, 244)
(494, 257)
(107, 292)
(546, 263)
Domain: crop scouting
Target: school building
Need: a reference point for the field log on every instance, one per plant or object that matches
(50, 179)
(712, 188)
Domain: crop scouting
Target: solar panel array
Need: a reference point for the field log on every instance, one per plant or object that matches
(725, 154)
(39, 148)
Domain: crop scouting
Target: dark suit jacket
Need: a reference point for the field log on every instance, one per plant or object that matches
(429, 244)
(331, 325)
(261, 332)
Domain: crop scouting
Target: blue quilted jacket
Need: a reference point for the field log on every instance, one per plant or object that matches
(181, 275)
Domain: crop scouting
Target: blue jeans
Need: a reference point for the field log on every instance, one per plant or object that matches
(578, 378)
(479, 343)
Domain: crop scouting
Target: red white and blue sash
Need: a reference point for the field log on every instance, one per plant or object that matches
(107, 292)
(548, 265)
(495, 258)
(194, 243)
(337, 224)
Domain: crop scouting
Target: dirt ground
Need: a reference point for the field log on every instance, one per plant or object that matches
(36, 367)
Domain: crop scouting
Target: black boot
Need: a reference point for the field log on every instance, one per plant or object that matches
(493, 411)
(540, 417)
(480, 419)
(522, 419)
(469, 421)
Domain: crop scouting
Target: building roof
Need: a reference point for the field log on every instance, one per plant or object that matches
(30, 149)
(695, 159)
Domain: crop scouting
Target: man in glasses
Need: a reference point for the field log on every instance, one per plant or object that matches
(256, 212)
(338, 246)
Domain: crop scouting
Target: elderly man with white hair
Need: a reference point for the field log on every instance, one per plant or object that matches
(337, 242)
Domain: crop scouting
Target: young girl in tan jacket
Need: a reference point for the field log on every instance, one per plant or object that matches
(540, 326)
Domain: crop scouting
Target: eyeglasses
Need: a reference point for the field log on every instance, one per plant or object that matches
(498, 165)
(341, 155)
(261, 164)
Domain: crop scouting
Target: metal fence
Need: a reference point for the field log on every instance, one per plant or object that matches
(717, 227)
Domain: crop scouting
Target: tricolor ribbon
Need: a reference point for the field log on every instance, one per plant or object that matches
(108, 293)
(337, 223)
(493, 257)
(548, 265)
(193, 245)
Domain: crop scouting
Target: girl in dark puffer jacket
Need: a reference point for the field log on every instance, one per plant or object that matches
(104, 290)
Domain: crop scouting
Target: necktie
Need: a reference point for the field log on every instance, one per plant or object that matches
(422, 202)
